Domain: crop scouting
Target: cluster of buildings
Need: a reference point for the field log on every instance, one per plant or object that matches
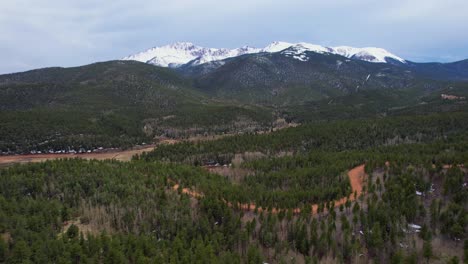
(452, 97)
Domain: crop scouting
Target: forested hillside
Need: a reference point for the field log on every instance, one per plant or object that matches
(412, 209)
(111, 104)
(329, 136)
(118, 104)
(290, 78)
(275, 78)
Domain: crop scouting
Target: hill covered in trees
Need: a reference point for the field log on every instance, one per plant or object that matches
(413, 207)
(110, 104)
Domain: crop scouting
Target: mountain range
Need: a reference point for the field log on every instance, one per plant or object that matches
(291, 73)
(182, 90)
(179, 53)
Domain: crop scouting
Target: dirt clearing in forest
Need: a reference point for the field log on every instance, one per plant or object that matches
(121, 155)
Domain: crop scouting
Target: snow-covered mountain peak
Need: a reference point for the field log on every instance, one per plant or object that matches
(313, 47)
(180, 53)
(379, 54)
(346, 51)
(370, 54)
(277, 46)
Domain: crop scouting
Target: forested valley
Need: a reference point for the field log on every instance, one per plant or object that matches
(182, 203)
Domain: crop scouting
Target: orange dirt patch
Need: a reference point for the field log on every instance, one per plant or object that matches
(356, 176)
(192, 193)
(123, 155)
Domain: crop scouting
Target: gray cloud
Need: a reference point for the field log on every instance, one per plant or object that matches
(37, 34)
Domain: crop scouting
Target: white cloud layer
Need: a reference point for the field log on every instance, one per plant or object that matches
(65, 33)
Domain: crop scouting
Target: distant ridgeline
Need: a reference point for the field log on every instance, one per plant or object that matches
(124, 103)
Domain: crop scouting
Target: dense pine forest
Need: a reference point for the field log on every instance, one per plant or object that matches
(110, 104)
(183, 203)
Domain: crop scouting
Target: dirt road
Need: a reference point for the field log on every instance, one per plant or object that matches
(357, 176)
(121, 155)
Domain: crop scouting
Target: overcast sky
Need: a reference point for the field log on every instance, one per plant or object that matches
(42, 33)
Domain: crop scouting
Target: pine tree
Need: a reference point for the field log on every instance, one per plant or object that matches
(427, 250)
(254, 256)
(73, 231)
(3, 249)
(20, 252)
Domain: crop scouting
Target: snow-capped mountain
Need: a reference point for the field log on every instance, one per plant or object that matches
(181, 53)
(370, 54)
(280, 46)
(297, 50)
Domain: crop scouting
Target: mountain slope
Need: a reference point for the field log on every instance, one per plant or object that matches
(457, 71)
(297, 75)
(379, 103)
(113, 104)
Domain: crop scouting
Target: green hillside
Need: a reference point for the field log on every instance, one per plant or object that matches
(274, 78)
(108, 104)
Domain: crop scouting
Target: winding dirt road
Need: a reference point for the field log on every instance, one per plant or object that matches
(357, 177)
